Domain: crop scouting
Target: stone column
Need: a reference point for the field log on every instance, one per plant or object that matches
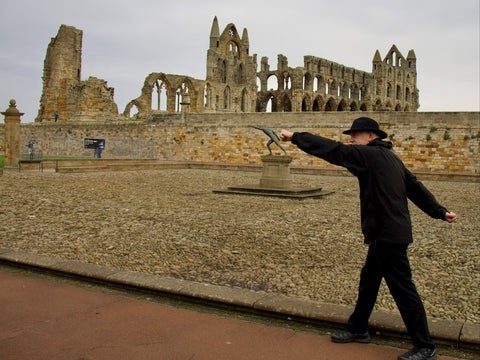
(276, 172)
(12, 135)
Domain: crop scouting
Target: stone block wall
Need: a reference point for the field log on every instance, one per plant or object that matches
(427, 142)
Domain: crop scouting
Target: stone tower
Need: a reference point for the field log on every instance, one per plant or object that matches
(231, 71)
(63, 91)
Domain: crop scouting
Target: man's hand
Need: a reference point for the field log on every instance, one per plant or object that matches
(450, 217)
(286, 135)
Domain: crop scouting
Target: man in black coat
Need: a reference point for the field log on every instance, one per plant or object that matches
(385, 187)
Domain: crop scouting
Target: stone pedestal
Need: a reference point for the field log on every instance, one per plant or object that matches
(12, 135)
(276, 172)
(276, 181)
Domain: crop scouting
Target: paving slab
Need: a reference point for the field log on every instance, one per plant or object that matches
(46, 319)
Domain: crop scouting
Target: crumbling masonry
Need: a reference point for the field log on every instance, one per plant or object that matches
(233, 84)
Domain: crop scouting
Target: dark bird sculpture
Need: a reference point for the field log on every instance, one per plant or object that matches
(272, 135)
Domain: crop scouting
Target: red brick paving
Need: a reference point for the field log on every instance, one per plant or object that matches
(45, 319)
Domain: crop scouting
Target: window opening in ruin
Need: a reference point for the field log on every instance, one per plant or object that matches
(259, 84)
(207, 96)
(269, 107)
(272, 83)
(232, 49)
(133, 111)
(177, 100)
(181, 96)
(159, 96)
(286, 81)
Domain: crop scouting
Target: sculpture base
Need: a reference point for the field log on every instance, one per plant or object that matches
(293, 193)
(276, 181)
(276, 172)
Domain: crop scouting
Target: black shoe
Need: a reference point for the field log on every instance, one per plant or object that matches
(347, 337)
(419, 354)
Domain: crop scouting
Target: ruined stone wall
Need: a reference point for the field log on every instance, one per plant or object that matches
(64, 93)
(433, 142)
(61, 71)
(232, 83)
(324, 85)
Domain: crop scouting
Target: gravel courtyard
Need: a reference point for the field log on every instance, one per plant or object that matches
(170, 222)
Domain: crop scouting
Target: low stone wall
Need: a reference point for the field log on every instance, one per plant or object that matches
(427, 142)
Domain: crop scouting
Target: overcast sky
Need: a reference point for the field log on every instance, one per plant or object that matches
(124, 41)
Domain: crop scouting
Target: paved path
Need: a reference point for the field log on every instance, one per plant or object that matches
(46, 319)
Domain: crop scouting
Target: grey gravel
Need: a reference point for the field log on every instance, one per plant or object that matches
(170, 222)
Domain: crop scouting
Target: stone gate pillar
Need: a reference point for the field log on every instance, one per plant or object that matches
(12, 135)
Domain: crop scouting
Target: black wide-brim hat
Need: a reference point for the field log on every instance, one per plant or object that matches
(366, 124)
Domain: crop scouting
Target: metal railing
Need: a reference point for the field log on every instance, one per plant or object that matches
(36, 158)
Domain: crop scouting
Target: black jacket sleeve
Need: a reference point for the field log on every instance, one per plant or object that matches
(332, 151)
(314, 145)
(423, 198)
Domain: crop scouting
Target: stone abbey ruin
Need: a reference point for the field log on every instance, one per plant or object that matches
(180, 118)
(233, 84)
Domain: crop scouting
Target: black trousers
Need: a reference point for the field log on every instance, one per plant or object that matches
(390, 262)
